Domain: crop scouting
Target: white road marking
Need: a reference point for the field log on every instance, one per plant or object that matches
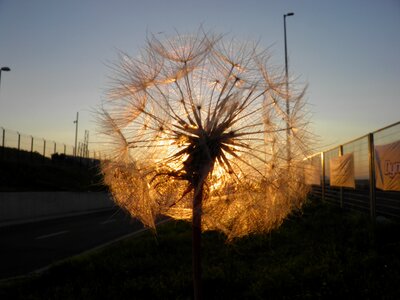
(108, 221)
(38, 271)
(51, 235)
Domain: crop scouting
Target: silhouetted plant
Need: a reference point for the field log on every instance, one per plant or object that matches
(198, 131)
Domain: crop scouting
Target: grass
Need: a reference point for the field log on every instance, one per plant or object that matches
(322, 252)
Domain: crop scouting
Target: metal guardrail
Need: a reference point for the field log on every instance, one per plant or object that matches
(365, 197)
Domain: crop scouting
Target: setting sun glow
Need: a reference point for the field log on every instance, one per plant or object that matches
(199, 130)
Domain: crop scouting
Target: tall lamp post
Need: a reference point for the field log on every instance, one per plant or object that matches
(4, 69)
(287, 89)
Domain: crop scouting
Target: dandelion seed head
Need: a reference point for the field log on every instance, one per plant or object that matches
(199, 111)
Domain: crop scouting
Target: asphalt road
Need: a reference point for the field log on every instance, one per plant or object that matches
(28, 247)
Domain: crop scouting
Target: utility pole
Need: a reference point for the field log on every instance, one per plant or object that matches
(76, 132)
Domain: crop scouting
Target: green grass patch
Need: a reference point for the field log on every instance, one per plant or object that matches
(322, 252)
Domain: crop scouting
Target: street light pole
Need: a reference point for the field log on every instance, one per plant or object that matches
(76, 132)
(287, 89)
(4, 69)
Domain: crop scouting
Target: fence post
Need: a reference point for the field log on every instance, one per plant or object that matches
(31, 147)
(323, 176)
(3, 139)
(19, 147)
(341, 188)
(44, 148)
(19, 141)
(372, 188)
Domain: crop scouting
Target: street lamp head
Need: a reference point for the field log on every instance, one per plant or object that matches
(5, 69)
(289, 14)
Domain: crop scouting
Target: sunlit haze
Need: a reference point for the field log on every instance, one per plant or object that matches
(58, 51)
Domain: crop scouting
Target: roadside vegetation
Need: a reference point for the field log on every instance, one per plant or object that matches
(22, 171)
(321, 252)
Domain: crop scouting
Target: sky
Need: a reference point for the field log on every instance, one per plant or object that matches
(347, 51)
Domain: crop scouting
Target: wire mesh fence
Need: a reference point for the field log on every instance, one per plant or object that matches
(19, 146)
(365, 196)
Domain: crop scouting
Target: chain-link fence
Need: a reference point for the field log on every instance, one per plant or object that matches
(365, 196)
(18, 146)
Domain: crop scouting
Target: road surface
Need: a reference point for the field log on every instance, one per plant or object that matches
(28, 247)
